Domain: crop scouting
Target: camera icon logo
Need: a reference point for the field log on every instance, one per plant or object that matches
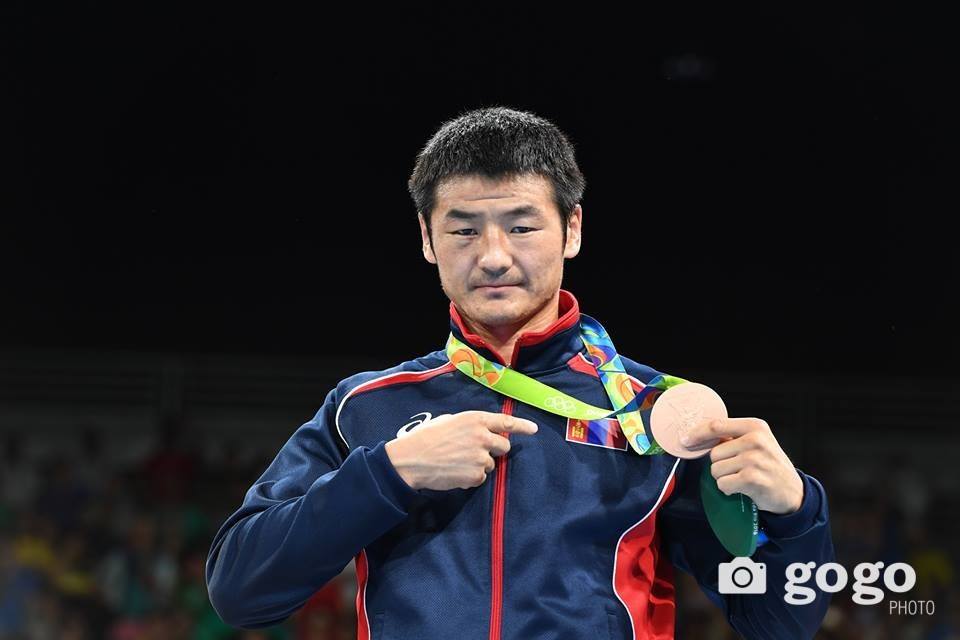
(742, 575)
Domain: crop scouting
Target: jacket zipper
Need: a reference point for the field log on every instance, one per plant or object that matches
(496, 547)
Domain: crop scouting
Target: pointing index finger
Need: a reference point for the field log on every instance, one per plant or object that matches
(712, 432)
(512, 424)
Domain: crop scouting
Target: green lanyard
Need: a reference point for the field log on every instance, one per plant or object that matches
(627, 405)
(733, 518)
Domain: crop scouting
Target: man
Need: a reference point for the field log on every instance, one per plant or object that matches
(473, 515)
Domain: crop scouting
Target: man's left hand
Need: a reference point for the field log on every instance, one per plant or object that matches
(746, 458)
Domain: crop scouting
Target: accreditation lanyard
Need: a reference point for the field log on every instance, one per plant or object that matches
(627, 405)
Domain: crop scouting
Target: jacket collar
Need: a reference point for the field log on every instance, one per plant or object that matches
(534, 350)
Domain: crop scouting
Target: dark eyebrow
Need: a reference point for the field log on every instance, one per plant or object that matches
(526, 210)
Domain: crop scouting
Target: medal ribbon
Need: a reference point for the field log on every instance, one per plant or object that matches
(627, 405)
(732, 518)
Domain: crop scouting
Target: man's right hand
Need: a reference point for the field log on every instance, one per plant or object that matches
(454, 451)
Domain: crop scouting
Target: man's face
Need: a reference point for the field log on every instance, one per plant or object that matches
(498, 245)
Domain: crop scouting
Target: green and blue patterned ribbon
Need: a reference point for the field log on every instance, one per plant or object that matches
(733, 518)
(628, 407)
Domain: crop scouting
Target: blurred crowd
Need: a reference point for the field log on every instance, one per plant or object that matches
(91, 548)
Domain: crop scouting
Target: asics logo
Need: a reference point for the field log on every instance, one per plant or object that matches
(418, 419)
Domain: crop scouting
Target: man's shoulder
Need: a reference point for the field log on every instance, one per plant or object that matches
(365, 382)
(427, 363)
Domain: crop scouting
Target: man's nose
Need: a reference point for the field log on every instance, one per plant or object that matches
(494, 252)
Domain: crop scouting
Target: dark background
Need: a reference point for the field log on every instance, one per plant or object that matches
(766, 189)
(206, 225)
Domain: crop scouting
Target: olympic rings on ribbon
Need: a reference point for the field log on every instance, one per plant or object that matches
(563, 405)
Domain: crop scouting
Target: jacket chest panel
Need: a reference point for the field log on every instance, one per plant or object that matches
(397, 411)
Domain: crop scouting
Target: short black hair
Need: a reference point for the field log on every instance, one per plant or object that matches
(498, 142)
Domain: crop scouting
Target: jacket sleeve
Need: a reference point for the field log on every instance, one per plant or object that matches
(302, 521)
(802, 536)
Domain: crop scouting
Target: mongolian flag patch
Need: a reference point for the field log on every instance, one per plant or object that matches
(604, 433)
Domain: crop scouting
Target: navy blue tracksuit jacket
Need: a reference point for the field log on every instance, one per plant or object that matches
(566, 539)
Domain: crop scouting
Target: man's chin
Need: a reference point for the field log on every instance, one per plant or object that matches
(494, 292)
(496, 314)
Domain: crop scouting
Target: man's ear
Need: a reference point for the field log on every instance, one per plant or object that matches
(574, 228)
(425, 237)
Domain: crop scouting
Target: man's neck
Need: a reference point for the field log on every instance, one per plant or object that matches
(502, 339)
